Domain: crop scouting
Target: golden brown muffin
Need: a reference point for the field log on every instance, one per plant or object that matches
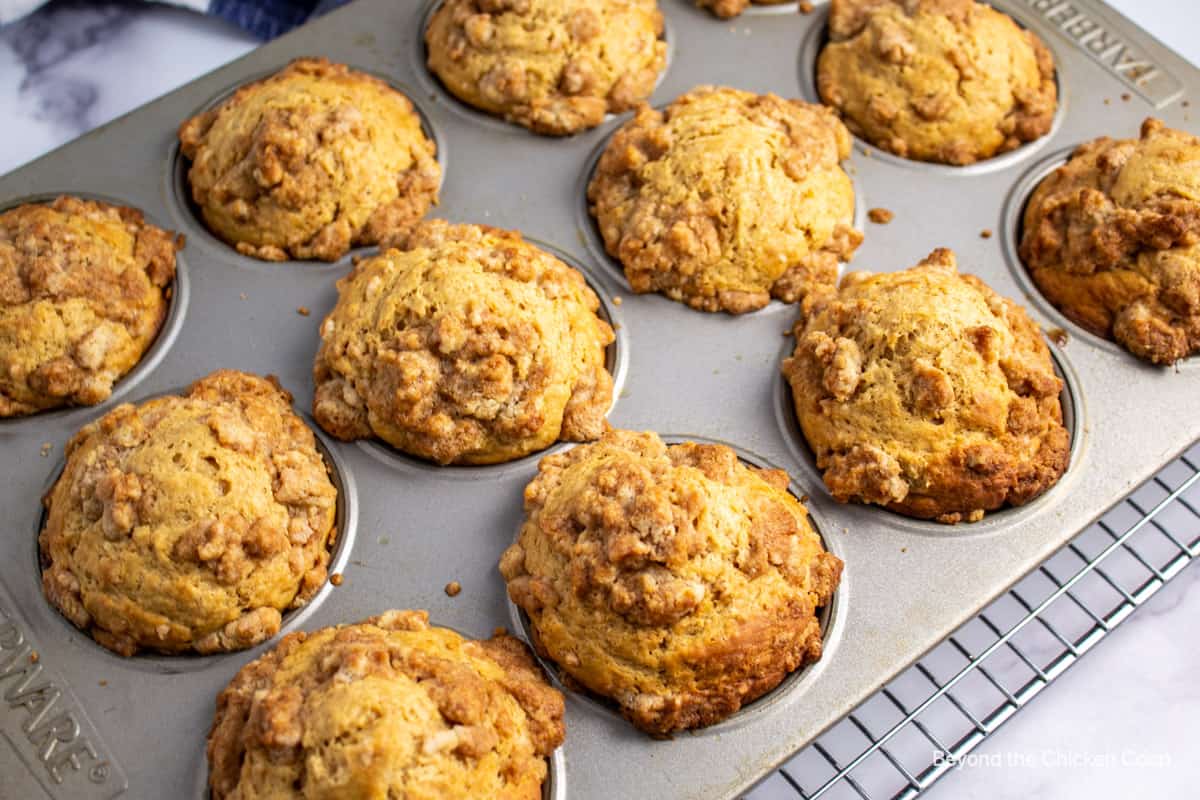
(555, 66)
(309, 162)
(952, 81)
(467, 345)
(389, 707)
(731, 8)
(1112, 239)
(82, 296)
(674, 580)
(926, 392)
(189, 522)
(726, 199)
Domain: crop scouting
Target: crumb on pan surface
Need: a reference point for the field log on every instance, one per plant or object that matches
(726, 199)
(83, 293)
(674, 580)
(950, 81)
(309, 162)
(1112, 239)
(388, 707)
(554, 66)
(189, 522)
(926, 392)
(466, 345)
(726, 9)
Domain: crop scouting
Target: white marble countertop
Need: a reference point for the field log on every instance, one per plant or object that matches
(77, 65)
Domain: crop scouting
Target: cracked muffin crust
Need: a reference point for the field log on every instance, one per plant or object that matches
(555, 66)
(388, 707)
(83, 293)
(467, 345)
(189, 522)
(674, 580)
(726, 199)
(926, 392)
(950, 81)
(1112, 239)
(310, 162)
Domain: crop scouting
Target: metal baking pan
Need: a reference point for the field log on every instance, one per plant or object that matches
(80, 722)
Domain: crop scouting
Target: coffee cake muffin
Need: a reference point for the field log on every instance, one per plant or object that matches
(466, 345)
(309, 162)
(674, 580)
(189, 522)
(951, 81)
(388, 707)
(726, 199)
(1112, 238)
(926, 392)
(84, 289)
(555, 66)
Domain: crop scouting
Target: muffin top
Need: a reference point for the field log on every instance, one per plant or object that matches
(82, 295)
(467, 345)
(554, 66)
(674, 580)
(309, 162)
(952, 81)
(1112, 238)
(191, 521)
(926, 392)
(389, 707)
(727, 198)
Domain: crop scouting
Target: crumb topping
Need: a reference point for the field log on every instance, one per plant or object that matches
(467, 345)
(189, 522)
(84, 289)
(726, 199)
(387, 707)
(926, 392)
(672, 579)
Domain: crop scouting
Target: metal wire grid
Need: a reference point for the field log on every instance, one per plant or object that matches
(987, 670)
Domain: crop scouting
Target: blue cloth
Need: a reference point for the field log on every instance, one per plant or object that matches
(267, 19)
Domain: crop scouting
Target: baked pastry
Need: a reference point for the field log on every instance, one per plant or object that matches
(189, 522)
(555, 66)
(83, 293)
(467, 345)
(726, 199)
(1112, 238)
(389, 707)
(309, 162)
(926, 392)
(726, 9)
(951, 81)
(674, 580)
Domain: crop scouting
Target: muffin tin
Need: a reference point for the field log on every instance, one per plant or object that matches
(80, 722)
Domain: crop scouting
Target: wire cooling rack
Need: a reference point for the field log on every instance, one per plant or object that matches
(909, 734)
